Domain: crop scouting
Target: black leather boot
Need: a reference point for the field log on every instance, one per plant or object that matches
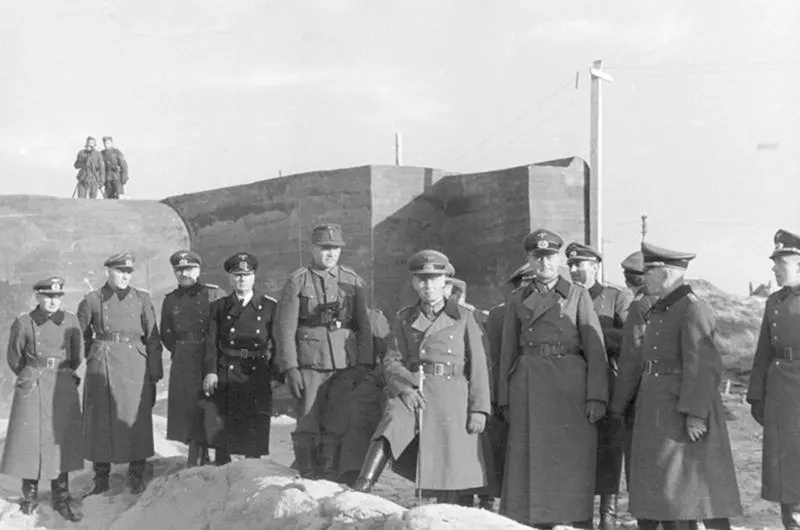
(646, 524)
(720, 523)
(305, 455)
(376, 459)
(608, 512)
(59, 489)
(328, 453)
(30, 496)
(101, 472)
(136, 476)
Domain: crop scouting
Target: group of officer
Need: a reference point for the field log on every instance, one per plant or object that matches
(536, 403)
(103, 171)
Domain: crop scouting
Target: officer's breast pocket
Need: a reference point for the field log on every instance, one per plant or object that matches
(309, 349)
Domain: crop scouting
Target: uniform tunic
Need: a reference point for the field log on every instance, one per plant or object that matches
(44, 436)
(611, 304)
(237, 416)
(775, 381)
(184, 321)
(123, 364)
(318, 349)
(552, 362)
(451, 458)
(673, 478)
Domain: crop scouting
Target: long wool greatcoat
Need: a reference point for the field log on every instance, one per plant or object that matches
(44, 429)
(121, 375)
(184, 320)
(451, 458)
(673, 478)
(237, 417)
(550, 461)
(776, 383)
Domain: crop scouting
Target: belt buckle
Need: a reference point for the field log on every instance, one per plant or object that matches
(438, 369)
(51, 362)
(648, 367)
(244, 353)
(115, 336)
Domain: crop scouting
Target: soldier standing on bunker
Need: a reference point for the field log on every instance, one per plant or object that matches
(681, 463)
(324, 344)
(116, 169)
(553, 387)
(184, 322)
(43, 439)
(91, 170)
(611, 304)
(774, 390)
(444, 340)
(123, 365)
(238, 366)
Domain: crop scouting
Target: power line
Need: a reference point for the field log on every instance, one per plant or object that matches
(519, 117)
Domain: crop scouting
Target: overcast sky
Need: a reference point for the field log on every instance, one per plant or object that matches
(228, 92)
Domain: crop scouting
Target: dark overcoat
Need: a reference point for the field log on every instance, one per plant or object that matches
(184, 322)
(450, 457)
(678, 374)
(552, 362)
(775, 381)
(123, 364)
(237, 416)
(44, 436)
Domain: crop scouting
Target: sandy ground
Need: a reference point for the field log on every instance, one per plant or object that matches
(744, 432)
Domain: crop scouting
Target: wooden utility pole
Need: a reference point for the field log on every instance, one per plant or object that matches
(595, 155)
(398, 149)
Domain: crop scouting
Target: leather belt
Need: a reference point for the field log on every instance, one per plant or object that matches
(243, 353)
(190, 336)
(657, 368)
(53, 363)
(117, 337)
(787, 353)
(546, 350)
(442, 369)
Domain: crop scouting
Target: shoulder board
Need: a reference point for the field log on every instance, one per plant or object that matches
(140, 290)
(608, 285)
(693, 297)
(211, 286)
(21, 315)
(268, 297)
(298, 272)
(345, 268)
(401, 313)
(468, 307)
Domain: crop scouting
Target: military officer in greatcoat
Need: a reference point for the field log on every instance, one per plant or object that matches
(116, 169)
(184, 322)
(681, 463)
(553, 386)
(43, 439)
(324, 345)
(238, 366)
(441, 339)
(123, 365)
(611, 304)
(774, 390)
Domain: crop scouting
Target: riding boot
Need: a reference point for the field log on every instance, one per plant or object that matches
(136, 476)
(719, 523)
(305, 455)
(193, 458)
(790, 516)
(679, 525)
(376, 459)
(647, 524)
(101, 472)
(221, 457)
(59, 488)
(30, 496)
(608, 512)
(329, 449)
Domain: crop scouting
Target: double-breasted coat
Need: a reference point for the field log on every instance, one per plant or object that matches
(44, 436)
(775, 382)
(184, 322)
(123, 365)
(611, 304)
(552, 362)
(237, 416)
(450, 457)
(677, 374)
